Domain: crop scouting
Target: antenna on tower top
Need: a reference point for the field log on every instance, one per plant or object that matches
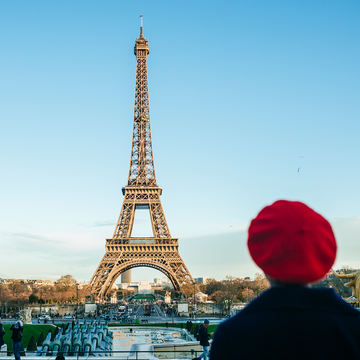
(141, 27)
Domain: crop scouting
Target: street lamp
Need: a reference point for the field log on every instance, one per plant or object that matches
(40, 299)
(194, 302)
(77, 297)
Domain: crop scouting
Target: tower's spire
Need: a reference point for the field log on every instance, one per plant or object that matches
(141, 26)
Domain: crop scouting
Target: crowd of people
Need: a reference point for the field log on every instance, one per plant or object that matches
(295, 247)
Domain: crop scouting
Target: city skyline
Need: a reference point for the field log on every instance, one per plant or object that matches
(249, 103)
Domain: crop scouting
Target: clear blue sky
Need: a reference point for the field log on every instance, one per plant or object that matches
(242, 94)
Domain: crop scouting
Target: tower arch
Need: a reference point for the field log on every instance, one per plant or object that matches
(121, 268)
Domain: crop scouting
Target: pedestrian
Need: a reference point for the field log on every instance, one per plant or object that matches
(204, 339)
(17, 333)
(295, 247)
(167, 324)
(60, 357)
(2, 333)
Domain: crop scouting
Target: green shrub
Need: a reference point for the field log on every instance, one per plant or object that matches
(31, 345)
(188, 326)
(193, 329)
(41, 339)
(33, 298)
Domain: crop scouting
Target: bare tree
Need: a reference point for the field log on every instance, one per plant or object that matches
(189, 289)
(248, 294)
(231, 289)
(18, 289)
(213, 285)
(65, 282)
(260, 284)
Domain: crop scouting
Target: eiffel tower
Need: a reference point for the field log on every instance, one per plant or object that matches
(123, 252)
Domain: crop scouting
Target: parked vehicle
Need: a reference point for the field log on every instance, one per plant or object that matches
(122, 309)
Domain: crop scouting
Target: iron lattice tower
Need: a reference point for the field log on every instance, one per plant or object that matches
(124, 252)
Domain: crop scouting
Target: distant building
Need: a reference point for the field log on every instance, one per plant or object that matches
(113, 299)
(202, 280)
(165, 280)
(83, 284)
(46, 282)
(32, 282)
(144, 287)
(201, 297)
(133, 287)
(157, 281)
(156, 287)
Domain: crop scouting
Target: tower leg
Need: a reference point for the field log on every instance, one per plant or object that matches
(126, 277)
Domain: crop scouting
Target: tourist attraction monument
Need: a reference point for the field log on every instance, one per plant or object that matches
(354, 282)
(123, 252)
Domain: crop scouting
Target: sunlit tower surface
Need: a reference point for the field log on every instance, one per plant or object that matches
(124, 252)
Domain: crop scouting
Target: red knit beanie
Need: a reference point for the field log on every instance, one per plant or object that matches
(292, 243)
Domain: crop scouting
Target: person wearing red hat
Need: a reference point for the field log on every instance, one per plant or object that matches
(294, 246)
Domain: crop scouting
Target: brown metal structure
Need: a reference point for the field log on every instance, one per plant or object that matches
(124, 252)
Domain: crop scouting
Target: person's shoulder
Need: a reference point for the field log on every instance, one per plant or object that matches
(299, 298)
(232, 323)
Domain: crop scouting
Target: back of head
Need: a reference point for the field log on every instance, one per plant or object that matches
(292, 243)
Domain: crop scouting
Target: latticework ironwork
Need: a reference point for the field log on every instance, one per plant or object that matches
(142, 170)
(124, 252)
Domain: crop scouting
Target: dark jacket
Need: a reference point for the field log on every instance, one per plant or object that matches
(2, 342)
(290, 323)
(203, 335)
(16, 333)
